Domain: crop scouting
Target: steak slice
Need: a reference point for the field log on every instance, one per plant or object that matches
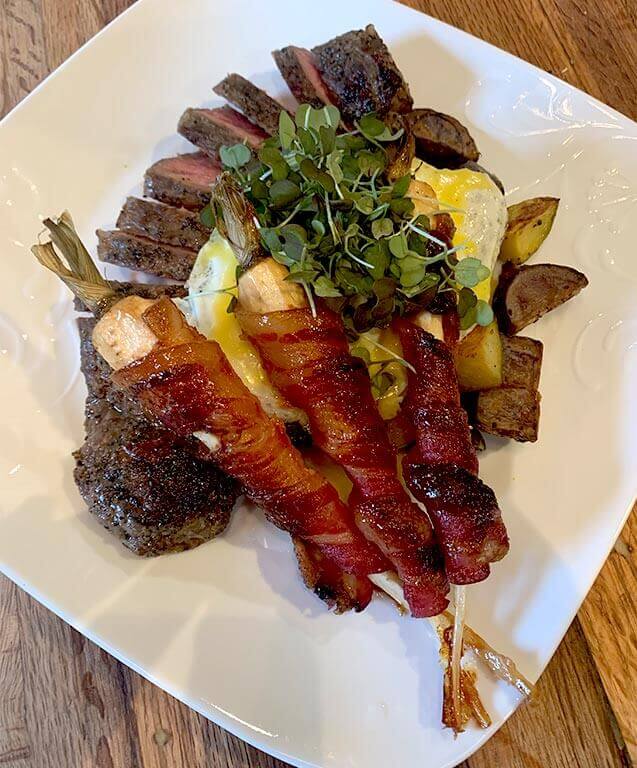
(298, 68)
(211, 129)
(145, 290)
(255, 103)
(361, 74)
(147, 490)
(140, 253)
(183, 181)
(150, 491)
(164, 223)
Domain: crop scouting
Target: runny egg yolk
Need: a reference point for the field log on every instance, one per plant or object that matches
(211, 287)
(478, 210)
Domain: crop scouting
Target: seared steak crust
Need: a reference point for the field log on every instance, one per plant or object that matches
(140, 253)
(164, 223)
(297, 81)
(255, 103)
(211, 129)
(148, 490)
(183, 180)
(159, 503)
(97, 374)
(360, 72)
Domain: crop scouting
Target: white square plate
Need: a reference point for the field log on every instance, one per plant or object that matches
(228, 628)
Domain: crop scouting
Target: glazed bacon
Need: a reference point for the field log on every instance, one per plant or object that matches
(441, 470)
(339, 590)
(308, 361)
(187, 384)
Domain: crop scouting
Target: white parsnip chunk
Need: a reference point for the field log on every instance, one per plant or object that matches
(121, 336)
(263, 288)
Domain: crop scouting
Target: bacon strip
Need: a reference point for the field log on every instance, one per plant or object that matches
(308, 360)
(339, 590)
(441, 470)
(188, 385)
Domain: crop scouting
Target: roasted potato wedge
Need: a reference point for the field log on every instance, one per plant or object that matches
(509, 412)
(526, 293)
(529, 224)
(479, 358)
(441, 139)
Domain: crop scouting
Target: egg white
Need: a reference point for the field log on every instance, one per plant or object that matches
(478, 209)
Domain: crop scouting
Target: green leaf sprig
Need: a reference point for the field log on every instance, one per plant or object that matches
(328, 211)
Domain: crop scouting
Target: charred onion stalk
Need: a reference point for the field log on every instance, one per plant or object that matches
(185, 382)
(307, 358)
(500, 666)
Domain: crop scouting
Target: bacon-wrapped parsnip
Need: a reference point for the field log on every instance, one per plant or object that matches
(307, 357)
(441, 470)
(185, 382)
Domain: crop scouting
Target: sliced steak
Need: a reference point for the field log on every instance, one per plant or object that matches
(145, 290)
(147, 490)
(184, 180)
(255, 103)
(164, 223)
(361, 75)
(211, 129)
(298, 68)
(140, 253)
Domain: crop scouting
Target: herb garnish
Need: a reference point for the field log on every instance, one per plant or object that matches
(330, 210)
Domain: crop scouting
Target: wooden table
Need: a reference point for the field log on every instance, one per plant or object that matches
(65, 703)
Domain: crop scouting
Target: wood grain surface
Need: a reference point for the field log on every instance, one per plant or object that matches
(64, 703)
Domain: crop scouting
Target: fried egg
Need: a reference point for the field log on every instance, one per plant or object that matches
(479, 212)
(211, 287)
